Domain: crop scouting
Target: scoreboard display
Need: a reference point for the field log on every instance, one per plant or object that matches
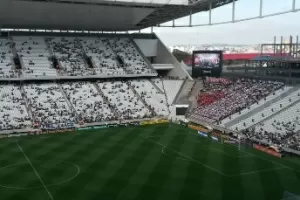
(207, 63)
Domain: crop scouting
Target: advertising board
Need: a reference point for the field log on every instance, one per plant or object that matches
(202, 134)
(266, 150)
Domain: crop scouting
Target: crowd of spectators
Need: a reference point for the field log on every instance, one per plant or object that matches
(132, 60)
(235, 97)
(13, 112)
(87, 102)
(34, 54)
(70, 54)
(123, 99)
(103, 59)
(155, 99)
(293, 142)
(6, 68)
(49, 106)
(207, 98)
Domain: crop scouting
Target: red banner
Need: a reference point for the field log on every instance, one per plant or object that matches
(267, 150)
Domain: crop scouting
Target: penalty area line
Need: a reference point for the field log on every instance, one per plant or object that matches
(192, 159)
(36, 173)
(163, 152)
(258, 171)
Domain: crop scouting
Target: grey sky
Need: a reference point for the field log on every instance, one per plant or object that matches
(248, 32)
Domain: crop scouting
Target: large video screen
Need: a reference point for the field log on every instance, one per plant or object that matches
(207, 60)
(207, 63)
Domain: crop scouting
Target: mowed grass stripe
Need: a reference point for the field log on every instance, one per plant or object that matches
(112, 188)
(150, 154)
(213, 179)
(85, 158)
(270, 181)
(159, 174)
(105, 163)
(179, 170)
(196, 175)
(20, 175)
(290, 180)
(38, 151)
(94, 152)
(227, 182)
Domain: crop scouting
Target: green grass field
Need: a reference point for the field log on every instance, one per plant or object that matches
(155, 162)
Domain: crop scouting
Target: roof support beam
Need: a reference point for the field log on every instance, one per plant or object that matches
(233, 11)
(210, 8)
(261, 8)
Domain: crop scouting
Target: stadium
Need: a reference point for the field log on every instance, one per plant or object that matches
(91, 108)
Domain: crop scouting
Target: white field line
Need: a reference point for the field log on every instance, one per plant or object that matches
(217, 150)
(276, 163)
(36, 173)
(258, 171)
(211, 168)
(163, 152)
(52, 184)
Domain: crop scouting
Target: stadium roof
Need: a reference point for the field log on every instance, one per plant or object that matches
(98, 15)
(164, 2)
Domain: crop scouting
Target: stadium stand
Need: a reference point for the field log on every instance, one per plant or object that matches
(102, 56)
(70, 54)
(87, 102)
(267, 112)
(133, 62)
(48, 105)
(123, 100)
(35, 56)
(13, 112)
(240, 94)
(293, 142)
(6, 68)
(155, 99)
(168, 86)
(272, 98)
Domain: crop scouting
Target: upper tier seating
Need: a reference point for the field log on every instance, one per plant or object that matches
(87, 102)
(238, 96)
(124, 100)
(70, 54)
(35, 55)
(267, 112)
(6, 70)
(155, 99)
(265, 101)
(133, 61)
(13, 113)
(103, 58)
(49, 107)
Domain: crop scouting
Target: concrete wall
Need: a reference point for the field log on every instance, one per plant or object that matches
(147, 46)
(164, 56)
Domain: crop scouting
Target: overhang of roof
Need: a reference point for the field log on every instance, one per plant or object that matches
(100, 15)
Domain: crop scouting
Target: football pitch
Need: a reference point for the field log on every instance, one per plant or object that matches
(153, 162)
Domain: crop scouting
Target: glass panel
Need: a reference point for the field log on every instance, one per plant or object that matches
(184, 21)
(297, 4)
(222, 14)
(146, 30)
(245, 9)
(275, 6)
(200, 18)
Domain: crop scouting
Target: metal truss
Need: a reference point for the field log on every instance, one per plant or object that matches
(233, 19)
